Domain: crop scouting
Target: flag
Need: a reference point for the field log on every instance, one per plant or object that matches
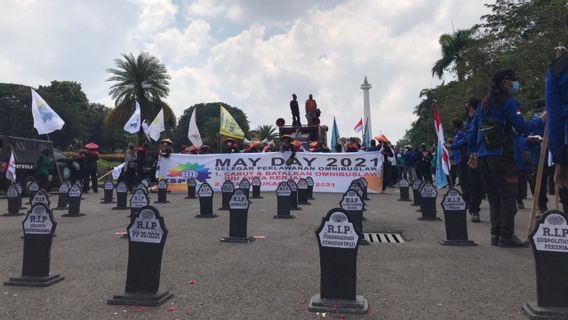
(334, 136)
(157, 126)
(11, 171)
(229, 127)
(442, 155)
(366, 135)
(133, 124)
(45, 119)
(145, 128)
(117, 170)
(193, 132)
(359, 126)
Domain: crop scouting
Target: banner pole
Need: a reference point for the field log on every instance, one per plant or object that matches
(55, 160)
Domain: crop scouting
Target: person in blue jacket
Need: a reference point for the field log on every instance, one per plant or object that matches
(556, 91)
(533, 142)
(475, 185)
(523, 161)
(498, 115)
(459, 151)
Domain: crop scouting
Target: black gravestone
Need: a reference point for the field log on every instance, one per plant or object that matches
(293, 195)
(38, 227)
(550, 251)
(454, 207)
(303, 192)
(365, 185)
(74, 202)
(403, 186)
(338, 241)
(138, 201)
(205, 194)
(352, 203)
(162, 192)
(357, 186)
(416, 192)
(311, 183)
(244, 185)
(33, 187)
(428, 196)
(12, 197)
(283, 193)
(147, 235)
(227, 190)
(256, 184)
(63, 196)
(238, 216)
(121, 195)
(42, 196)
(191, 185)
(145, 183)
(19, 189)
(108, 192)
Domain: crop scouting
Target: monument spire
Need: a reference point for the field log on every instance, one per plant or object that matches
(366, 105)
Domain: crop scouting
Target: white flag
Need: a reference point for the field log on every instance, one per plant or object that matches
(11, 171)
(45, 119)
(145, 128)
(117, 170)
(133, 124)
(157, 126)
(193, 132)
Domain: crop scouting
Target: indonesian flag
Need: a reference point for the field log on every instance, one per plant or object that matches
(11, 170)
(359, 126)
(443, 159)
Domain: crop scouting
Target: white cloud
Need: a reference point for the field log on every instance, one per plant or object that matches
(155, 15)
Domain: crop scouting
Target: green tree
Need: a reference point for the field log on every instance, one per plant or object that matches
(265, 131)
(453, 47)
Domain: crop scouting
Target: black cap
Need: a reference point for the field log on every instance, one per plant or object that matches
(505, 74)
(538, 105)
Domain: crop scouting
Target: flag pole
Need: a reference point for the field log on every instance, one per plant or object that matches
(55, 161)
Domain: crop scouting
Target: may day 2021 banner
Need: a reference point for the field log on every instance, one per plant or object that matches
(332, 172)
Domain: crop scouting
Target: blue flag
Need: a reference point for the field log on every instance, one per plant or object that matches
(366, 135)
(441, 180)
(334, 136)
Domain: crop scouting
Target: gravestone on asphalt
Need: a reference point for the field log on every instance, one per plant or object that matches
(205, 194)
(33, 187)
(63, 196)
(238, 216)
(138, 201)
(416, 192)
(358, 187)
(244, 185)
(352, 203)
(338, 241)
(455, 219)
(191, 185)
(12, 197)
(227, 190)
(121, 194)
(550, 251)
(145, 183)
(162, 192)
(303, 192)
(283, 193)
(19, 189)
(108, 192)
(428, 196)
(38, 227)
(74, 202)
(311, 183)
(256, 184)
(403, 186)
(293, 195)
(365, 186)
(42, 196)
(147, 235)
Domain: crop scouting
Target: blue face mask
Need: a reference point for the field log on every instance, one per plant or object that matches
(516, 87)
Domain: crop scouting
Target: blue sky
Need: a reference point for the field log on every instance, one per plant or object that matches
(252, 54)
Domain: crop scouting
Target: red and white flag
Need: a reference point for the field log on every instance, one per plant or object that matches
(441, 140)
(11, 170)
(359, 126)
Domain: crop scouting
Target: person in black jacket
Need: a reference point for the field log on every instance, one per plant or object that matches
(90, 158)
(295, 111)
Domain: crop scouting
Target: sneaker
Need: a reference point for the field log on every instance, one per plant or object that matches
(513, 242)
(475, 217)
(494, 240)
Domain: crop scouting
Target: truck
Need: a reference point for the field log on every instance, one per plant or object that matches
(26, 153)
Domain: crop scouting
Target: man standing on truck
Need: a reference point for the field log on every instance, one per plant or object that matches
(43, 164)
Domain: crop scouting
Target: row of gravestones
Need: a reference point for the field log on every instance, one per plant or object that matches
(69, 198)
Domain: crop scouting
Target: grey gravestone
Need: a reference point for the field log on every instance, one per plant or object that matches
(121, 195)
(256, 184)
(428, 195)
(244, 185)
(63, 196)
(455, 219)
(303, 195)
(293, 195)
(162, 191)
(41, 197)
(352, 203)
(205, 194)
(311, 184)
(74, 202)
(227, 190)
(33, 187)
(108, 192)
(283, 193)
(13, 205)
(191, 185)
(238, 215)
(416, 192)
(403, 187)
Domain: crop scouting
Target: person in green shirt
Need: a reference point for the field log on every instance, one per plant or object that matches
(43, 164)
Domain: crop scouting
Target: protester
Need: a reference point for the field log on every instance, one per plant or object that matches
(90, 158)
(424, 164)
(386, 151)
(474, 182)
(495, 156)
(230, 146)
(311, 109)
(131, 163)
(204, 149)
(295, 111)
(43, 165)
(141, 158)
(459, 151)
(167, 148)
(534, 141)
(252, 147)
(522, 158)
(409, 171)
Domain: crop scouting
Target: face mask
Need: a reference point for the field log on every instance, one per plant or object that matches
(516, 87)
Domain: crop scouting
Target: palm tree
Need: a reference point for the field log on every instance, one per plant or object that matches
(141, 78)
(266, 131)
(453, 48)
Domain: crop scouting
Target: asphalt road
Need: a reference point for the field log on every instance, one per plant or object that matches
(275, 276)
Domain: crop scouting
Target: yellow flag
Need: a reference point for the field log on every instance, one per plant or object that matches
(230, 127)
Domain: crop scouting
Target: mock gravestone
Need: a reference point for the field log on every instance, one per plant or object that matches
(121, 195)
(227, 189)
(428, 196)
(33, 187)
(147, 235)
(205, 194)
(162, 191)
(311, 184)
(39, 227)
(283, 193)
(145, 183)
(403, 187)
(13, 205)
(238, 216)
(256, 184)
(416, 192)
(74, 209)
(63, 196)
(108, 187)
(293, 195)
(365, 185)
(191, 185)
(354, 204)
(42, 196)
(303, 192)
(550, 251)
(455, 219)
(244, 185)
(338, 241)
(358, 187)
(19, 189)
(138, 201)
